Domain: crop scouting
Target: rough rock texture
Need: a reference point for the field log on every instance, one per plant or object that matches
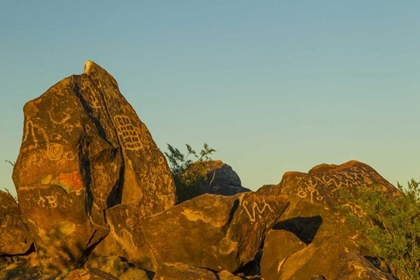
(133, 273)
(220, 178)
(312, 215)
(278, 246)
(87, 274)
(228, 231)
(84, 150)
(15, 238)
(113, 265)
(227, 275)
(353, 266)
(178, 271)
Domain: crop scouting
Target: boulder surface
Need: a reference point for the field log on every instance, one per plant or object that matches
(83, 151)
(15, 238)
(313, 217)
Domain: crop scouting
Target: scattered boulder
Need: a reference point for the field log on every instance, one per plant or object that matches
(83, 151)
(15, 238)
(278, 246)
(219, 178)
(312, 216)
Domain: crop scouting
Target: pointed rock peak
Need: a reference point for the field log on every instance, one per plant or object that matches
(91, 66)
(94, 70)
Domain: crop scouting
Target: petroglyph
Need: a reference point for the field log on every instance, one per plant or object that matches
(310, 190)
(52, 200)
(129, 133)
(62, 121)
(31, 130)
(255, 209)
(69, 155)
(55, 151)
(93, 101)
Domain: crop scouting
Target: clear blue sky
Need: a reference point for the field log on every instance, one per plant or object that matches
(273, 86)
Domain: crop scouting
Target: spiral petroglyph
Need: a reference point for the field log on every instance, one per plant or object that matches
(55, 151)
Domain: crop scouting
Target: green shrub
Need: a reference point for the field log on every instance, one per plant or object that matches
(188, 175)
(392, 227)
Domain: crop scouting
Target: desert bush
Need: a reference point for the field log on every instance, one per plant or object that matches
(391, 224)
(188, 175)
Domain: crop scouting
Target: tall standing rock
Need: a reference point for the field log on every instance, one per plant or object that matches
(83, 151)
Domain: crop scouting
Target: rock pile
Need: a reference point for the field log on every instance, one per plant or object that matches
(97, 201)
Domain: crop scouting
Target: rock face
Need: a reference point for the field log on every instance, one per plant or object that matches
(175, 271)
(228, 230)
(15, 238)
(352, 266)
(313, 218)
(278, 246)
(83, 151)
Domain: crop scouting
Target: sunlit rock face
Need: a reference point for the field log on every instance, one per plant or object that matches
(83, 151)
(209, 231)
(15, 238)
(314, 219)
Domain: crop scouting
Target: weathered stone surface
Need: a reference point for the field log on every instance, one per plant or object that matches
(322, 183)
(220, 179)
(133, 273)
(15, 238)
(278, 246)
(210, 231)
(85, 150)
(312, 215)
(87, 274)
(113, 265)
(178, 271)
(228, 230)
(227, 275)
(352, 266)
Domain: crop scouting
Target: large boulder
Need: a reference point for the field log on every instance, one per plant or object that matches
(83, 151)
(278, 246)
(207, 176)
(15, 238)
(313, 217)
(221, 179)
(208, 231)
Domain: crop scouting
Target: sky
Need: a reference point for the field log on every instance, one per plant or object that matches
(273, 86)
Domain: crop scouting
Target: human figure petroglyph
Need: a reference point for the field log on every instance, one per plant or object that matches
(310, 190)
(129, 133)
(259, 210)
